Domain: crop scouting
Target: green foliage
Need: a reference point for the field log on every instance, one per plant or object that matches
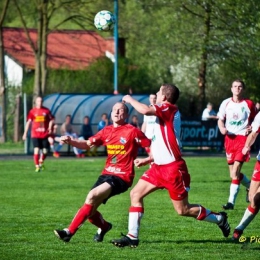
(99, 78)
(165, 42)
(34, 204)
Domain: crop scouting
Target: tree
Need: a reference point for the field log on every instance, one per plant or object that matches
(2, 78)
(195, 39)
(47, 11)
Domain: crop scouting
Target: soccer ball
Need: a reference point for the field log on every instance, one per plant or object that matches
(104, 20)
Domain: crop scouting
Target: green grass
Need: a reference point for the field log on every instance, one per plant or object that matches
(33, 204)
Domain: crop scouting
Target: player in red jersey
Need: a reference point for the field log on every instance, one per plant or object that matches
(235, 117)
(168, 170)
(122, 141)
(254, 190)
(40, 120)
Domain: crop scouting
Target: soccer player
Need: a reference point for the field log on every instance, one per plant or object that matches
(235, 117)
(254, 190)
(40, 119)
(168, 170)
(122, 141)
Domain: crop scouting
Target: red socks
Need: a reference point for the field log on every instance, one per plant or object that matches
(98, 221)
(81, 216)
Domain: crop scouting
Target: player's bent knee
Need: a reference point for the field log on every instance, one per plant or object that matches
(45, 151)
(135, 195)
(182, 211)
(257, 200)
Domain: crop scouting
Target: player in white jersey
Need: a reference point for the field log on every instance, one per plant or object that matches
(168, 171)
(254, 190)
(235, 117)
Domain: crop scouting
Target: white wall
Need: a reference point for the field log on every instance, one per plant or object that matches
(13, 72)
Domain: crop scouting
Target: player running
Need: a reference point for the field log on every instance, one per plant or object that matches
(254, 190)
(168, 170)
(235, 117)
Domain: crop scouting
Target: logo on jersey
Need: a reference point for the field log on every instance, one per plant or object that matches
(122, 140)
(235, 116)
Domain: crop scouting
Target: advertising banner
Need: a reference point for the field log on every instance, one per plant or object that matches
(197, 133)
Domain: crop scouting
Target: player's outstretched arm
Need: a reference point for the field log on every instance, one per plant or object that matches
(140, 107)
(81, 144)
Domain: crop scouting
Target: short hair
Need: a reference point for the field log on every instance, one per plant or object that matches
(125, 107)
(240, 81)
(171, 93)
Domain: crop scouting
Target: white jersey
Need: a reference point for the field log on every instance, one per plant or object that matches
(164, 147)
(256, 128)
(150, 121)
(237, 116)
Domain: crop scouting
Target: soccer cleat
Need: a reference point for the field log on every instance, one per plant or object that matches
(37, 169)
(228, 206)
(99, 236)
(63, 235)
(56, 155)
(125, 241)
(42, 167)
(223, 224)
(247, 198)
(237, 234)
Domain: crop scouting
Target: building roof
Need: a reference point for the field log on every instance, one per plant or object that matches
(71, 49)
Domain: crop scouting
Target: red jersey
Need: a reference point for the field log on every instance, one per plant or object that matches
(40, 118)
(122, 144)
(165, 148)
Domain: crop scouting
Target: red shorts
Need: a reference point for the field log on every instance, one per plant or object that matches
(256, 173)
(234, 145)
(173, 176)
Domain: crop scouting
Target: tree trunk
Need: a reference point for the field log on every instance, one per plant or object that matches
(204, 60)
(3, 127)
(37, 91)
(44, 46)
(17, 115)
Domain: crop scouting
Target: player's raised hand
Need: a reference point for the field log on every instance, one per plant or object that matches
(127, 99)
(65, 139)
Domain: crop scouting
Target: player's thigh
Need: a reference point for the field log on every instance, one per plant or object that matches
(98, 194)
(141, 189)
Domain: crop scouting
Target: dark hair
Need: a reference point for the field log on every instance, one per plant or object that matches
(240, 81)
(171, 93)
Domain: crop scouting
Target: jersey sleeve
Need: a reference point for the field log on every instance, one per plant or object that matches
(141, 139)
(256, 124)
(30, 115)
(252, 108)
(165, 111)
(222, 110)
(98, 138)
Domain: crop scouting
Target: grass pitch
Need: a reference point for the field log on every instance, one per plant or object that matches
(34, 204)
